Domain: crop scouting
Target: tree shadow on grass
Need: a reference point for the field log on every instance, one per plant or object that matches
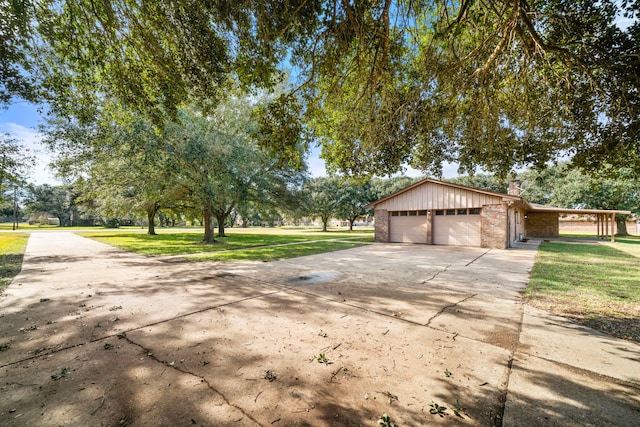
(594, 285)
(10, 266)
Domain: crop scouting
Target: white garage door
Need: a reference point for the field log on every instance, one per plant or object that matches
(458, 227)
(411, 227)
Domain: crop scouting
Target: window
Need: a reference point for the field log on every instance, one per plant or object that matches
(440, 212)
(462, 211)
(395, 213)
(422, 213)
(403, 213)
(474, 211)
(451, 211)
(413, 213)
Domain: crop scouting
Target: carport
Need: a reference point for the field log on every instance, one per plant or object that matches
(544, 221)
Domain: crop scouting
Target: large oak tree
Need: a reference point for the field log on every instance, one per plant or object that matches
(495, 83)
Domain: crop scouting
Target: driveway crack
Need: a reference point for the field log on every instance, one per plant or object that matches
(477, 258)
(446, 307)
(203, 379)
(437, 273)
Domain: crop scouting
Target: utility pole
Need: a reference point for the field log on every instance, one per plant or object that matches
(15, 208)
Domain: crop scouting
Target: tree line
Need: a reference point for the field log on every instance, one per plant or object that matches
(322, 198)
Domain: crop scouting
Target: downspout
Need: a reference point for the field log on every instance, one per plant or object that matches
(509, 224)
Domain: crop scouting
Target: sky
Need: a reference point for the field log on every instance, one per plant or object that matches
(20, 120)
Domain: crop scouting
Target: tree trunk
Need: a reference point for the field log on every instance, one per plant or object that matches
(325, 220)
(621, 222)
(209, 236)
(151, 218)
(351, 221)
(15, 208)
(221, 226)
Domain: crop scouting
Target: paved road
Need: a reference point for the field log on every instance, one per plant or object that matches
(94, 335)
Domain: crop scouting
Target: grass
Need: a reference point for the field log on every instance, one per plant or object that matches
(276, 252)
(23, 226)
(594, 284)
(240, 244)
(26, 227)
(12, 246)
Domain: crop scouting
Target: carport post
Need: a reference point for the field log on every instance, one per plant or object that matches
(613, 232)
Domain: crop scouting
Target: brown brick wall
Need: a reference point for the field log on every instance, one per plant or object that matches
(542, 225)
(493, 223)
(382, 225)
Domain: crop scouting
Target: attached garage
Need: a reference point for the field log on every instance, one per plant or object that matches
(409, 226)
(457, 227)
(440, 213)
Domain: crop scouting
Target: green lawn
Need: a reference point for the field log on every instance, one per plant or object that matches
(23, 226)
(596, 284)
(12, 246)
(240, 244)
(276, 252)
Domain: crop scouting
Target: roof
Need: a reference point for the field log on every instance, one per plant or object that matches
(505, 197)
(529, 207)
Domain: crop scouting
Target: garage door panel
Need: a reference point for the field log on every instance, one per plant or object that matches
(408, 229)
(456, 230)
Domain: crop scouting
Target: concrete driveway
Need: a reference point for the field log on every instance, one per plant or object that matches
(92, 335)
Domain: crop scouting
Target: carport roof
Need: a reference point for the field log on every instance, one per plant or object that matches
(534, 207)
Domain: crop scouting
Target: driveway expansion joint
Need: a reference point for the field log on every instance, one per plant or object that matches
(512, 354)
(587, 372)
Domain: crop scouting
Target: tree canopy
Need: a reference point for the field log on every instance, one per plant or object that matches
(15, 161)
(205, 162)
(500, 84)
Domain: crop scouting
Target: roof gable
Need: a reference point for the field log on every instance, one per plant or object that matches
(433, 194)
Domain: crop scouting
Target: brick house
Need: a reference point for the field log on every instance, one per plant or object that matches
(441, 213)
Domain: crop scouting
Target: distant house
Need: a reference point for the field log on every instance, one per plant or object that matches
(441, 213)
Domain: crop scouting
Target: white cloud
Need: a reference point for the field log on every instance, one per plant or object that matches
(32, 140)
